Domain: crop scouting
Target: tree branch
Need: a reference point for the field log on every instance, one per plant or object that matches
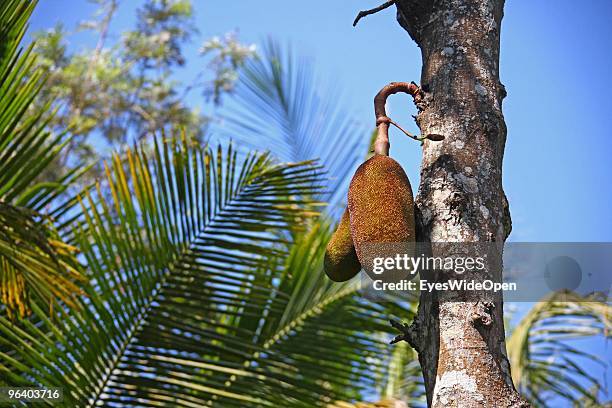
(364, 13)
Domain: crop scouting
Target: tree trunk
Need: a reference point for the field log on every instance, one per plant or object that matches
(461, 344)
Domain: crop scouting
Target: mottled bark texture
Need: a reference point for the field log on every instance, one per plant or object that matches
(461, 344)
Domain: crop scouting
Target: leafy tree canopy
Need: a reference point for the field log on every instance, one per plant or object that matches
(127, 85)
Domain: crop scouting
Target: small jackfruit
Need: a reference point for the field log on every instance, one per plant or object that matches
(381, 206)
(341, 262)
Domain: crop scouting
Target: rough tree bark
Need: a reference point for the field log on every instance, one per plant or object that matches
(461, 344)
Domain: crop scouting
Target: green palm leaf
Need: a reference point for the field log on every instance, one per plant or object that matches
(543, 361)
(315, 342)
(35, 265)
(170, 240)
(280, 102)
(403, 379)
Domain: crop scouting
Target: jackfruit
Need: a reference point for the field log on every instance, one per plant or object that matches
(381, 207)
(341, 262)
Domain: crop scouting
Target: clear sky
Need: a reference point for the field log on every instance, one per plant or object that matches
(555, 63)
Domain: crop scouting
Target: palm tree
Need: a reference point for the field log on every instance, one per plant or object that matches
(204, 271)
(35, 263)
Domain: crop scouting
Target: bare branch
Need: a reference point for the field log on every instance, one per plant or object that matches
(364, 13)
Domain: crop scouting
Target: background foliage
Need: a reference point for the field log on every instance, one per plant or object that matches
(128, 85)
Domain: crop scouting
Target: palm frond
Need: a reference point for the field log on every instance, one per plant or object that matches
(34, 259)
(543, 361)
(170, 240)
(35, 265)
(317, 341)
(280, 105)
(403, 379)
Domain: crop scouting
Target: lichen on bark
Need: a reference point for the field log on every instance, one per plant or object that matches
(461, 344)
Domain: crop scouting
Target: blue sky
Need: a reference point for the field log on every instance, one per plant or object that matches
(555, 64)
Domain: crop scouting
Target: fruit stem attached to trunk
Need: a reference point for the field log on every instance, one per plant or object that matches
(381, 144)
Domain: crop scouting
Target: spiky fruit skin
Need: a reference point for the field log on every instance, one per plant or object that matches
(341, 263)
(381, 205)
